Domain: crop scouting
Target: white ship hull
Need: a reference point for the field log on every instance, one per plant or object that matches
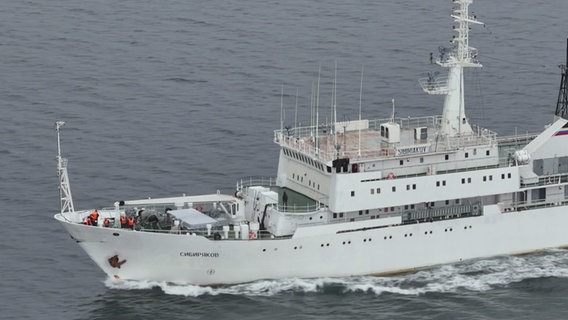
(198, 260)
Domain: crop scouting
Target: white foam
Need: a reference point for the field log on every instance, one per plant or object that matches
(478, 275)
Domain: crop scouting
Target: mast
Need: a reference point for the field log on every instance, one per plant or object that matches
(296, 113)
(360, 102)
(66, 200)
(316, 144)
(562, 104)
(282, 108)
(334, 105)
(454, 121)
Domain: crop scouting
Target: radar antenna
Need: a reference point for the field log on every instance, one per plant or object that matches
(66, 200)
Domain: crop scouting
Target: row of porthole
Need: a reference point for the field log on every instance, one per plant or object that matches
(370, 239)
(301, 179)
(445, 230)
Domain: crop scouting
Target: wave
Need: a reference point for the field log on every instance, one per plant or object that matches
(476, 276)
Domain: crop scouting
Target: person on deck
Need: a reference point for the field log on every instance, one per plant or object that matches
(285, 198)
(123, 223)
(92, 219)
(131, 222)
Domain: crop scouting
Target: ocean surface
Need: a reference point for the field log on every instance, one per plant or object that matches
(170, 97)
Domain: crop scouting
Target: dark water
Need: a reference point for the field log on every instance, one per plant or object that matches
(172, 97)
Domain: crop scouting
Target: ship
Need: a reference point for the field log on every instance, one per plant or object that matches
(351, 198)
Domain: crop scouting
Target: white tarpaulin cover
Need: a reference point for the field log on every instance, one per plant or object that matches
(192, 217)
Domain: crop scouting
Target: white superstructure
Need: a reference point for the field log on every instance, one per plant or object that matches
(371, 196)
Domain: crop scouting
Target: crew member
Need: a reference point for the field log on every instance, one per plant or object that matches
(94, 216)
(123, 223)
(131, 222)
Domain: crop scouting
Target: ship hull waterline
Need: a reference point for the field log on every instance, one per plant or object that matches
(197, 260)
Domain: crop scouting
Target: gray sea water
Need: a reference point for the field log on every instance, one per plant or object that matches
(178, 96)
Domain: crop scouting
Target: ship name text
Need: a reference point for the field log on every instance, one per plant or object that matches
(199, 254)
(412, 150)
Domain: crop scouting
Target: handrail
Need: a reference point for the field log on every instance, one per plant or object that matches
(244, 183)
(515, 206)
(544, 180)
(203, 232)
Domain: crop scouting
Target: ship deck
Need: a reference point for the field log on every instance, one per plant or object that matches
(362, 139)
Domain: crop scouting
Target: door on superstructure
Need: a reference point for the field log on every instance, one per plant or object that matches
(521, 197)
(538, 195)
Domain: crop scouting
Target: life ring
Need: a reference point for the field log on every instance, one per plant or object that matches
(390, 175)
(252, 235)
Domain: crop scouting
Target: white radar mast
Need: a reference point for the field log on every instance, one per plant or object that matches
(64, 187)
(454, 121)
